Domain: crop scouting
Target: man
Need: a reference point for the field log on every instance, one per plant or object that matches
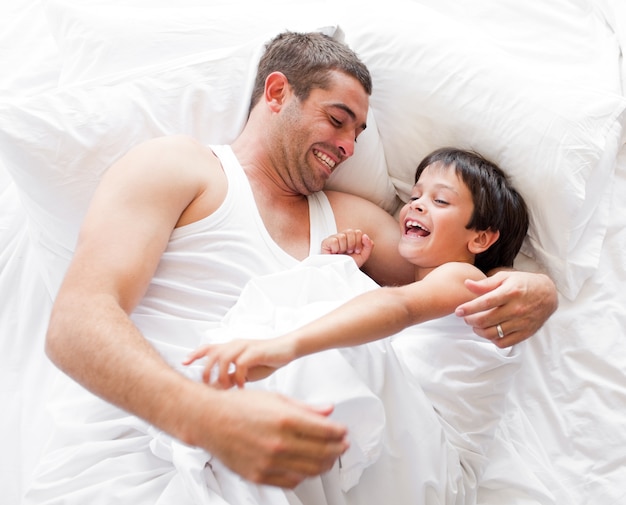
(176, 229)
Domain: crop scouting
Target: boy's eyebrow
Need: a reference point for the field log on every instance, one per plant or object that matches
(439, 185)
(348, 111)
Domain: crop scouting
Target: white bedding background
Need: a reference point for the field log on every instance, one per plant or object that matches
(537, 86)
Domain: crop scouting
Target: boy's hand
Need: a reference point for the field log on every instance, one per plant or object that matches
(354, 243)
(236, 362)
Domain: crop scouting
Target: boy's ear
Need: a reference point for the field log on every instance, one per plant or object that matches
(483, 240)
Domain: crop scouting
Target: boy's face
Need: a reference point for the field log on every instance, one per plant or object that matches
(433, 222)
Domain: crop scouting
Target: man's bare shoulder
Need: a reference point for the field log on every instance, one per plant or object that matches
(175, 151)
(172, 172)
(341, 200)
(354, 211)
(173, 163)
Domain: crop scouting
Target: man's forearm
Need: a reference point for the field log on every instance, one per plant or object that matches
(94, 342)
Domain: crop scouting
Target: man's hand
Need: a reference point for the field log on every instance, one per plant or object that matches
(354, 243)
(518, 302)
(268, 438)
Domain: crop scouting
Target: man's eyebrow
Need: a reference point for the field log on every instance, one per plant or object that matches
(349, 111)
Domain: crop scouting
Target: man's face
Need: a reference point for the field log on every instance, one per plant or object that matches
(320, 133)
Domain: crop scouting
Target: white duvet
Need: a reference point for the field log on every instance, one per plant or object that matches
(422, 412)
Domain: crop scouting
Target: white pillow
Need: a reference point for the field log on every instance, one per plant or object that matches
(109, 41)
(438, 82)
(28, 52)
(56, 145)
(105, 39)
(559, 39)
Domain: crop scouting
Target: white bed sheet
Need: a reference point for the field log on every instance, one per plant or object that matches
(571, 388)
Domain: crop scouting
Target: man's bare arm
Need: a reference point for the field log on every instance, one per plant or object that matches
(140, 201)
(520, 302)
(384, 265)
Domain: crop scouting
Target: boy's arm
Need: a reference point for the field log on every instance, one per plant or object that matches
(383, 312)
(521, 302)
(370, 316)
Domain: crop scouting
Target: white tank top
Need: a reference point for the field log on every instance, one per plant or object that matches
(207, 263)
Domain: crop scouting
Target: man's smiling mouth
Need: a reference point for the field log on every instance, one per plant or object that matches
(326, 159)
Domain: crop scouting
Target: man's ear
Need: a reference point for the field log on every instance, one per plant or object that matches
(483, 240)
(276, 89)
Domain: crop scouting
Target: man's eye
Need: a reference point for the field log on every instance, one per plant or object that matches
(335, 121)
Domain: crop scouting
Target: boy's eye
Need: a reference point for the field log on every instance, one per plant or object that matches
(440, 201)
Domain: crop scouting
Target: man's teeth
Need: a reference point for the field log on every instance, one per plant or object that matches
(329, 161)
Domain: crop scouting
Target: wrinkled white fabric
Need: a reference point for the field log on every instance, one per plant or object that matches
(441, 401)
(101, 454)
(405, 428)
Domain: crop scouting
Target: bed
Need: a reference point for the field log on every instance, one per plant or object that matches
(538, 87)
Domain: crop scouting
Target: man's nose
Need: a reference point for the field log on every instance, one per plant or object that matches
(346, 145)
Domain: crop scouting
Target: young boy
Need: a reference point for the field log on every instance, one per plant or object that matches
(463, 220)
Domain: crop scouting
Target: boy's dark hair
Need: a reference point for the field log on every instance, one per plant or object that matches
(497, 205)
(307, 59)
